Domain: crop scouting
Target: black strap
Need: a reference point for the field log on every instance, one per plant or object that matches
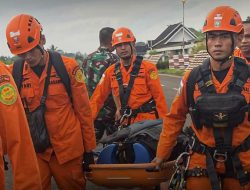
(118, 76)
(17, 73)
(57, 62)
(148, 106)
(233, 164)
(191, 81)
(212, 174)
(206, 84)
(240, 75)
(133, 75)
(241, 175)
(124, 97)
(46, 84)
(200, 75)
(198, 147)
(125, 153)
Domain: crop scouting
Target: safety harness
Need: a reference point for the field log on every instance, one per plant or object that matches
(222, 113)
(126, 111)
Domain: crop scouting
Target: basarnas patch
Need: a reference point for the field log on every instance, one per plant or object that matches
(153, 75)
(79, 76)
(8, 94)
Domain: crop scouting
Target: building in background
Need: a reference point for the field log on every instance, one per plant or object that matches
(170, 40)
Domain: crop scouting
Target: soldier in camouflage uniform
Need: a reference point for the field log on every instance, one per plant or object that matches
(94, 66)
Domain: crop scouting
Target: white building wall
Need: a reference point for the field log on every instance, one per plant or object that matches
(178, 37)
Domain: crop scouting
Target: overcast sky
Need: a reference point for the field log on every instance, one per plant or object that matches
(73, 25)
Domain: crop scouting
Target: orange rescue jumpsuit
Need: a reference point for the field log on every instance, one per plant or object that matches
(15, 139)
(146, 86)
(238, 53)
(69, 124)
(174, 122)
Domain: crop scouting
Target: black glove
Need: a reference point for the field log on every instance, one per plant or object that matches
(88, 158)
(99, 129)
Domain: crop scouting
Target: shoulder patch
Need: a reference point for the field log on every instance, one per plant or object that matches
(79, 76)
(153, 75)
(8, 94)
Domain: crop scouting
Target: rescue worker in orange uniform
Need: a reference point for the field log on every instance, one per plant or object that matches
(68, 119)
(237, 50)
(243, 35)
(15, 137)
(219, 108)
(245, 43)
(138, 98)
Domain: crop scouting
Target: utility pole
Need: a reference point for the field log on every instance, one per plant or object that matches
(183, 40)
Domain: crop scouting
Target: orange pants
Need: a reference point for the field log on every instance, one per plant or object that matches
(198, 183)
(67, 176)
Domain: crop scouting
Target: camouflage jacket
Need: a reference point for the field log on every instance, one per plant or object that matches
(93, 67)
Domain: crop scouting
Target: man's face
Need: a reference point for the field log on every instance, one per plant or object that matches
(245, 44)
(219, 44)
(32, 57)
(124, 50)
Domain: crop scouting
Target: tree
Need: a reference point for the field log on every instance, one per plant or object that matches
(198, 47)
(53, 48)
(152, 52)
(199, 34)
(79, 57)
(248, 18)
(6, 60)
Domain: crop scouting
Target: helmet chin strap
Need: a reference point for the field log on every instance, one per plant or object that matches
(43, 52)
(222, 61)
(41, 49)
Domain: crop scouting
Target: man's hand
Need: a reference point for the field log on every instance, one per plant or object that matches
(158, 162)
(117, 115)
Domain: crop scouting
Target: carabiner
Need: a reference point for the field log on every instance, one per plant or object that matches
(177, 164)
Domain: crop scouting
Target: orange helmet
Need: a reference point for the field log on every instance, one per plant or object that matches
(223, 18)
(122, 35)
(23, 33)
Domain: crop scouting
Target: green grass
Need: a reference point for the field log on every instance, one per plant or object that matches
(178, 72)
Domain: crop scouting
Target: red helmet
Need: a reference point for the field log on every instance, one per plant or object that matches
(223, 18)
(122, 35)
(23, 33)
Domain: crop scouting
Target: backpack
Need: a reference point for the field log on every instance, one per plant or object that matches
(56, 61)
(136, 143)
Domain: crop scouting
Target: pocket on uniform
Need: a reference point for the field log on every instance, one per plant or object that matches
(28, 95)
(140, 87)
(115, 87)
(57, 96)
